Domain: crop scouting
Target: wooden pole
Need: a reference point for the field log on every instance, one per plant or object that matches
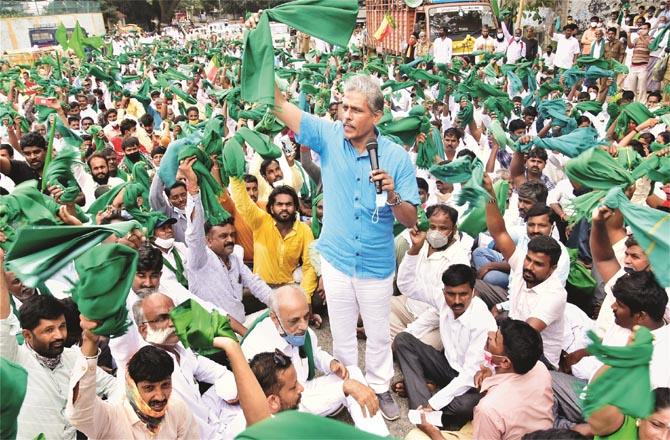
(519, 16)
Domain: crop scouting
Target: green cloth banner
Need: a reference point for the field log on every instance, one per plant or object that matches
(106, 275)
(626, 384)
(332, 21)
(197, 328)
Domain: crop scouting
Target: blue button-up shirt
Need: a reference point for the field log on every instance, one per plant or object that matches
(350, 240)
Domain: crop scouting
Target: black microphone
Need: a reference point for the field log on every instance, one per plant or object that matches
(371, 146)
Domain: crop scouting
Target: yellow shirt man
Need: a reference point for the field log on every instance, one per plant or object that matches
(275, 257)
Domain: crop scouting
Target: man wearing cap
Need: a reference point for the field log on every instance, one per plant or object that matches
(356, 243)
(174, 253)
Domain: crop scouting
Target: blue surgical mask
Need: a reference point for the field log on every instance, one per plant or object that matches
(293, 340)
(629, 270)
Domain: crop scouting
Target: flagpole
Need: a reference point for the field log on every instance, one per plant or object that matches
(50, 147)
(519, 15)
(58, 66)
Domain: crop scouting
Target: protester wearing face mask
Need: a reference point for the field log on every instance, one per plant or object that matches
(501, 42)
(441, 249)
(285, 327)
(152, 325)
(133, 155)
(516, 386)
(589, 35)
(175, 254)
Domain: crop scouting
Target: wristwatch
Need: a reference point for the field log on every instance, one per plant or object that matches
(396, 202)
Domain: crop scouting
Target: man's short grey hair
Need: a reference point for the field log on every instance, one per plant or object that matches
(138, 312)
(369, 88)
(273, 300)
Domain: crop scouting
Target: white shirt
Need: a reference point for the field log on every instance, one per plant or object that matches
(99, 419)
(464, 337)
(442, 50)
(545, 302)
(562, 194)
(566, 49)
(430, 269)
(189, 368)
(659, 367)
(515, 51)
(266, 338)
(88, 185)
(208, 276)
(168, 275)
(46, 394)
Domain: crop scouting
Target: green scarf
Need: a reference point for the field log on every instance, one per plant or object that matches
(25, 206)
(59, 173)
(106, 275)
(593, 107)
(596, 169)
(633, 112)
(572, 144)
(651, 229)
(294, 425)
(316, 223)
(656, 42)
(626, 384)
(13, 386)
(332, 21)
(475, 222)
(260, 143)
(210, 190)
(580, 279)
(41, 251)
(421, 222)
(197, 328)
(141, 213)
(468, 172)
(179, 269)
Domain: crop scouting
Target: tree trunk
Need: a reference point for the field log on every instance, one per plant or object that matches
(167, 9)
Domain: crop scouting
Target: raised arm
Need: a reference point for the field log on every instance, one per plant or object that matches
(496, 224)
(601, 246)
(251, 395)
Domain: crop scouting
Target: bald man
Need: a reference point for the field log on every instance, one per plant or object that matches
(153, 326)
(284, 327)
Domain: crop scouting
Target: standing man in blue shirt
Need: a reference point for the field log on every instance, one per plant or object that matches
(356, 243)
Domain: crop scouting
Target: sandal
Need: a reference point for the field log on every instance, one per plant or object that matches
(399, 388)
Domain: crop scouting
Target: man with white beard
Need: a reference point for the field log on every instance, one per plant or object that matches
(153, 326)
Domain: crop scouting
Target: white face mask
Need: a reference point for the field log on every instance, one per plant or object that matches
(593, 96)
(517, 38)
(158, 336)
(500, 35)
(436, 239)
(165, 243)
(594, 24)
(278, 183)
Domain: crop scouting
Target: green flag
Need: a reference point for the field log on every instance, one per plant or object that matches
(626, 384)
(13, 385)
(106, 275)
(651, 229)
(197, 328)
(61, 36)
(330, 20)
(41, 251)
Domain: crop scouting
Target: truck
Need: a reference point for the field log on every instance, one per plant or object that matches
(463, 19)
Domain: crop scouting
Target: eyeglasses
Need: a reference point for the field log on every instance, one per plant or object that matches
(280, 359)
(164, 317)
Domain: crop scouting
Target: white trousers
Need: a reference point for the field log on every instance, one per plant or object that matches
(636, 82)
(323, 396)
(346, 298)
